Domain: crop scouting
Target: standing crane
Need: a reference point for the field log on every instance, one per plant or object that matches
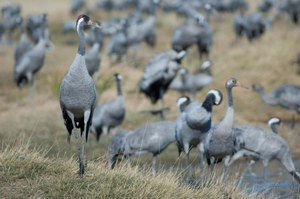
(194, 124)
(77, 94)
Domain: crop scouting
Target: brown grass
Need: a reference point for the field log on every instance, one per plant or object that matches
(31, 174)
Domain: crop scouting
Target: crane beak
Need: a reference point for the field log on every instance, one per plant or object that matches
(98, 25)
(95, 24)
(241, 85)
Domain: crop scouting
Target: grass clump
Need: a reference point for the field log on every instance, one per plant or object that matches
(29, 172)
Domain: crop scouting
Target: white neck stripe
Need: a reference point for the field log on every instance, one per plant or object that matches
(78, 23)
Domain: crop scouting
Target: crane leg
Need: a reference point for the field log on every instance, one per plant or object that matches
(162, 104)
(226, 165)
(154, 169)
(162, 115)
(105, 134)
(83, 142)
(187, 162)
(265, 164)
(79, 146)
(293, 122)
(247, 168)
(31, 85)
(128, 157)
(212, 164)
(201, 159)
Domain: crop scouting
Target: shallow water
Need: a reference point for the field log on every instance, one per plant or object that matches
(277, 182)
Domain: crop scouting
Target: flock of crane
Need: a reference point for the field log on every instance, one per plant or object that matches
(193, 127)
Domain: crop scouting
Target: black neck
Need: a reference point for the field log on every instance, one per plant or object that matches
(119, 87)
(208, 102)
(274, 129)
(229, 96)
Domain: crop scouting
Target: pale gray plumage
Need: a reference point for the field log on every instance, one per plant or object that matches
(230, 5)
(30, 63)
(23, 46)
(147, 6)
(252, 26)
(118, 44)
(69, 26)
(192, 82)
(109, 115)
(11, 19)
(193, 125)
(220, 142)
(267, 146)
(152, 138)
(265, 5)
(93, 59)
(194, 30)
(144, 31)
(37, 26)
(286, 96)
(77, 94)
(76, 5)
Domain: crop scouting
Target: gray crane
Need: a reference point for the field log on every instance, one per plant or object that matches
(147, 6)
(292, 8)
(252, 26)
(30, 64)
(23, 46)
(11, 19)
(193, 82)
(93, 60)
(118, 45)
(194, 30)
(37, 26)
(69, 26)
(159, 72)
(267, 146)
(77, 94)
(220, 142)
(109, 115)
(286, 96)
(76, 5)
(273, 123)
(265, 5)
(152, 138)
(194, 124)
(182, 102)
(143, 31)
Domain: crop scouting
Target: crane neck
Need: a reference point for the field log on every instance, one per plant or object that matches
(267, 98)
(183, 78)
(81, 46)
(229, 97)
(119, 87)
(274, 129)
(227, 122)
(208, 102)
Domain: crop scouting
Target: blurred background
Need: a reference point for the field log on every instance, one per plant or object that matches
(267, 55)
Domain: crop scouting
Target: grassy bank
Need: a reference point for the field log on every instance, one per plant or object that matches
(29, 173)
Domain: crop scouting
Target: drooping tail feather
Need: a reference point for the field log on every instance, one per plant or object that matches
(296, 176)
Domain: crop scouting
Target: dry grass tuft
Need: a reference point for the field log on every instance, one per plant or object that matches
(30, 173)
